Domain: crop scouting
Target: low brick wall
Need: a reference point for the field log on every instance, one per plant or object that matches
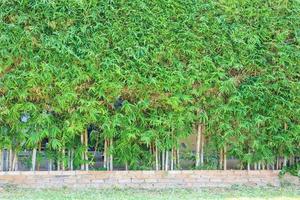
(139, 179)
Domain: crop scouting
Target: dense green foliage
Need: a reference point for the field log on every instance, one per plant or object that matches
(293, 170)
(144, 72)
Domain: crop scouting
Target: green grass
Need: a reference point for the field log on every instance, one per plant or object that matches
(126, 194)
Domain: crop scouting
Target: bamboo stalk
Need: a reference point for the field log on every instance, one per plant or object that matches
(163, 160)
(152, 153)
(156, 158)
(39, 150)
(248, 162)
(82, 154)
(12, 167)
(1, 160)
(178, 158)
(15, 161)
(172, 159)
(202, 146)
(72, 158)
(167, 161)
(221, 159)
(159, 159)
(175, 158)
(272, 166)
(7, 160)
(111, 156)
(10, 159)
(225, 157)
(104, 154)
(107, 154)
(50, 165)
(284, 161)
(33, 160)
(86, 150)
(198, 145)
(69, 159)
(63, 159)
(58, 165)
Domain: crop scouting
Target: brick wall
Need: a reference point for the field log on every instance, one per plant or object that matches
(139, 179)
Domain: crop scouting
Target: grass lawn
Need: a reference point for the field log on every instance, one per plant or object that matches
(172, 194)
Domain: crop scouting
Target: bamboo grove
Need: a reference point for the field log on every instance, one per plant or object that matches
(132, 79)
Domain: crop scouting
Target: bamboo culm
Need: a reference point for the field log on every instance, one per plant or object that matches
(225, 157)
(33, 161)
(111, 156)
(156, 158)
(198, 145)
(1, 160)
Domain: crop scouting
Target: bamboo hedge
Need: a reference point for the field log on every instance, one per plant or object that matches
(131, 79)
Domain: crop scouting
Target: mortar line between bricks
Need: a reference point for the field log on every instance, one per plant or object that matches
(141, 178)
